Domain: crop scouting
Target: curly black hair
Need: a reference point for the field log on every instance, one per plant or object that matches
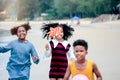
(15, 29)
(67, 30)
(81, 42)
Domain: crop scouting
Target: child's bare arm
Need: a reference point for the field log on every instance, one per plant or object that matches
(47, 50)
(47, 47)
(67, 74)
(97, 72)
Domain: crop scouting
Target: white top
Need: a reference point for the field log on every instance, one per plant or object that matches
(64, 43)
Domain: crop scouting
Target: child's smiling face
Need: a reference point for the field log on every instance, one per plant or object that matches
(80, 52)
(21, 33)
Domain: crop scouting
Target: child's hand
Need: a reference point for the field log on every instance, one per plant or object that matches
(34, 58)
(47, 47)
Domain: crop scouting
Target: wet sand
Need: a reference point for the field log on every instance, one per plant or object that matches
(104, 48)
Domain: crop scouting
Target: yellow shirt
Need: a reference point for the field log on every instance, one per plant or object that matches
(88, 71)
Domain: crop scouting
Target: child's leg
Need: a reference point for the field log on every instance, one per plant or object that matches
(60, 79)
(53, 79)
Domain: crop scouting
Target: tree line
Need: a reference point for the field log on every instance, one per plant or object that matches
(62, 9)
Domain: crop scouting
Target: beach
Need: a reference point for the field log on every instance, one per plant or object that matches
(103, 47)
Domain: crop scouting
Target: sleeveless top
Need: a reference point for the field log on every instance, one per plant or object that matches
(88, 71)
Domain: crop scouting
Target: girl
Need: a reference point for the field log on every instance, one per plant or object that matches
(58, 48)
(82, 69)
(21, 50)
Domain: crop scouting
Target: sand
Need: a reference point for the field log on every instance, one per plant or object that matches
(103, 40)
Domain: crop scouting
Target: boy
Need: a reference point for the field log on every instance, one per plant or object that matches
(81, 66)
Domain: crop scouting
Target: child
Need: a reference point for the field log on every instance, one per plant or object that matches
(21, 50)
(82, 66)
(58, 48)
